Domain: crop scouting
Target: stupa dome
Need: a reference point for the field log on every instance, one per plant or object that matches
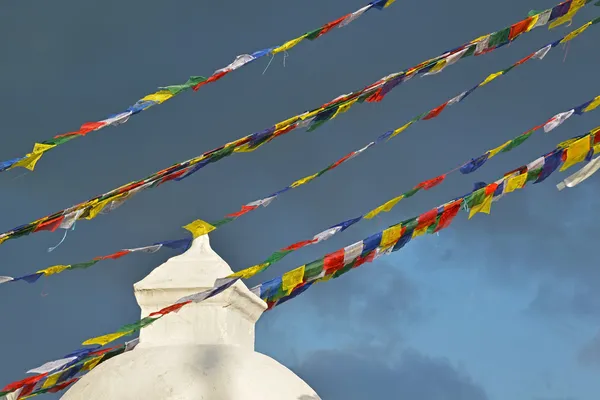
(203, 352)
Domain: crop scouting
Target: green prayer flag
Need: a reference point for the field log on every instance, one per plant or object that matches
(278, 255)
(83, 265)
(411, 192)
(313, 269)
(312, 35)
(470, 51)
(475, 198)
(499, 38)
(221, 222)
(517, 141)
(533, 175)
(137, 325)
(343, 270)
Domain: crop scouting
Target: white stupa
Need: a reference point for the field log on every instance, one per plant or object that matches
(203, 352)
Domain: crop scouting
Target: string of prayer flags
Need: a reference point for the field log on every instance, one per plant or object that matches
(199, 227)
(66, 218)
(179, 244)
(383, 242)
(295, 282)
(62, 377)
(557, 120)
(163, 94)
(579, 151)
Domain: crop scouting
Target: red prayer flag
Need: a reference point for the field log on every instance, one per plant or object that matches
(27, 381)
(491, 188)
(432, 182)
(333, 262)
(244, 210)
(518, 28)
(376, 97)
(170, 309)
(427, 218)
(50, 225)
(175, 175)
(360, 260)
(330, 25)
(114, 256)
(341, 160)
(435, 112)
(450, 211)
(299, 245)
(90, 126)
(214, 77)
(524, 59)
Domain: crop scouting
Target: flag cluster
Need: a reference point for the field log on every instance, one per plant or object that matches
(375, 92)
(30, 160)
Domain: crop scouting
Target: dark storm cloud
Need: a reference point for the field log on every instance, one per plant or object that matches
(66, 62)
(589, 355)
(364, 374)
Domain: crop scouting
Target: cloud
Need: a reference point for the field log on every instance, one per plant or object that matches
(556, 299)
(589, 355)
(369, 373)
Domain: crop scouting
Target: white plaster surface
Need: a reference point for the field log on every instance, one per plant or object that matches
(203, 352)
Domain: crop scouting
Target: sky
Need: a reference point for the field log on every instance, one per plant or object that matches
(502, 306)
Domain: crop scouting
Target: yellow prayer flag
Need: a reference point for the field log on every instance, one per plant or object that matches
(484, 207)
(159, 97)
(576, 33)
(311, 114)
(438, 66)
(29, 161)
(4, 239)
(286, 123)
(250, 272)
(390, 236)
(105, 339)
(389, 3)
(199, 228)
(419, 232)
(91, 364)
(288, 45)
(498, 149)
(577, 152)
(401, 129)
(384, 208)
(304, 180)
(596, 151)
(566, 143)
(533, 22)
(292, 278)
(57, 269)
(595, 103)
(490, 78)
(42, 148)
(344, 107)
(97, 207)
(515, 182)
(53, 379)
(245, 148)
(575, 6)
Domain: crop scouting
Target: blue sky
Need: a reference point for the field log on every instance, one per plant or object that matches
(499, 307)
